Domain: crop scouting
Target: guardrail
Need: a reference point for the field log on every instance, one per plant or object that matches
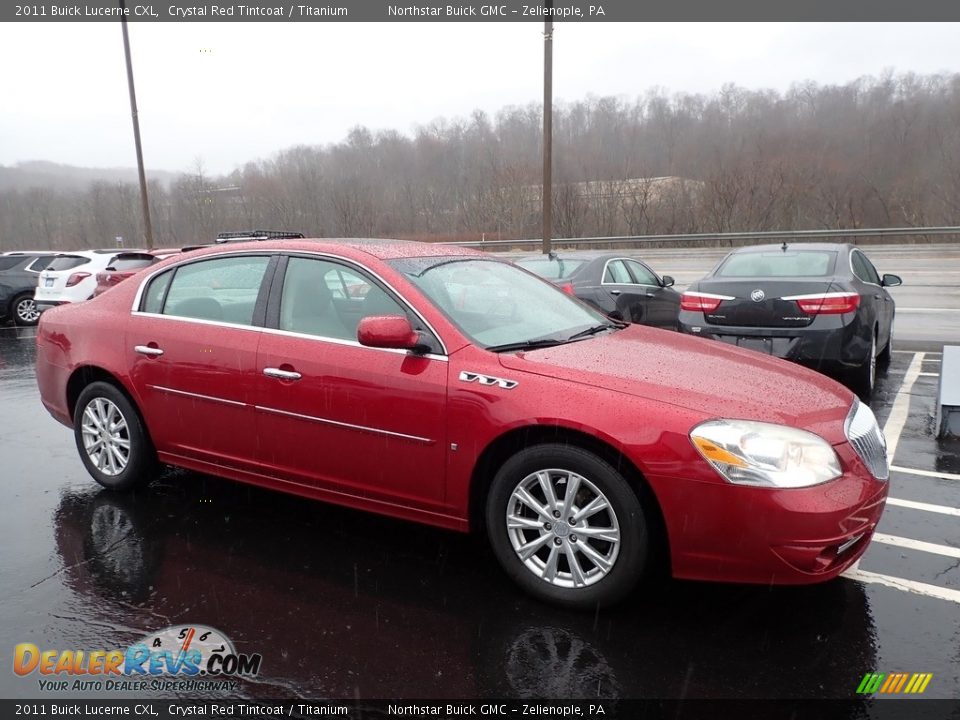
(722, 238)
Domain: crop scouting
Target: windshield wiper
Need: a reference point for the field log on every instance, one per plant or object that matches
(526, 345)
(594, 330)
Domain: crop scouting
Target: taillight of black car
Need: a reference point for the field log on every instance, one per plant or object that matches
(827, 303)
(702, 302)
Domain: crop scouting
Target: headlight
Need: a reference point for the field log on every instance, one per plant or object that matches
(765, 455)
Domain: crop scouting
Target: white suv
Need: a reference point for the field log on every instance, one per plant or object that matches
(71, 277)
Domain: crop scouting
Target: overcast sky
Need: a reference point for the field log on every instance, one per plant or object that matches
(227, 93)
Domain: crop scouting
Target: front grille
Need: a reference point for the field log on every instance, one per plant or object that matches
(867, 439)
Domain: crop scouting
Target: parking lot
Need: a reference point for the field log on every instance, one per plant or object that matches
(342, 604)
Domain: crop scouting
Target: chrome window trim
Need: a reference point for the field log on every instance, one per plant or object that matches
(603, 274)
(199, 321)
(349, 343)
(184, 393)
(349, 426)
(287, 253)
(288, 333)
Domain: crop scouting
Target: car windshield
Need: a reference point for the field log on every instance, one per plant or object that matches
(779, 263)
(499, 306)
(551, 268)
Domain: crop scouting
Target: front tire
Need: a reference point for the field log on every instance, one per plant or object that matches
(865, 376)
(567, 527)
(24, 310)
(111, 438)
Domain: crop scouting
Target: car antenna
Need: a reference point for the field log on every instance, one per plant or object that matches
(784, 246)
(551, 255)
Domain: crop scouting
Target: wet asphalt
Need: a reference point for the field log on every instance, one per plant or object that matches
(347, 605)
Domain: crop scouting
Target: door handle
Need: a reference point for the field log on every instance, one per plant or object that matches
(615, 292)
(281, 374)
(147, 350)
(651, 295)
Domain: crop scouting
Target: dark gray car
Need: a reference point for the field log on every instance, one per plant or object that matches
(18, 280)
(622, 287)
(822, 305)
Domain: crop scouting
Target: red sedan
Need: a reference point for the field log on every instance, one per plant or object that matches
(447, 387)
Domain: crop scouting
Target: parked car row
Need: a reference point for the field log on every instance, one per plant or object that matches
(821, 305)
(32, 281)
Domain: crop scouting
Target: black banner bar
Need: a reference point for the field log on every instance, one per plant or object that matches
(479, 11)
(493, 709)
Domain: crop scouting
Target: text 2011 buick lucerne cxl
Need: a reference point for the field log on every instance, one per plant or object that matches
(440, 385)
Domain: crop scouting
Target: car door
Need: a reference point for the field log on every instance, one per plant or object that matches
(874, 296)
(340, 417)
(619, 291)
(662, 304)
(192, 346)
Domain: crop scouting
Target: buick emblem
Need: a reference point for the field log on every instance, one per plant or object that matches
(757, 295)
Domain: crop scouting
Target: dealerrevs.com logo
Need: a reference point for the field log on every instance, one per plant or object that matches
(178, 658)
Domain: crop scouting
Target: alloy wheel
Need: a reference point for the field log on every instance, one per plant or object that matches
(26, 311)
(563, 528)
(106, 437)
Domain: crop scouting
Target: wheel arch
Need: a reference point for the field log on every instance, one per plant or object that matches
(516, 439)
(87, 374)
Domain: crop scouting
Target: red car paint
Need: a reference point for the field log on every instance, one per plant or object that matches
(640, 391)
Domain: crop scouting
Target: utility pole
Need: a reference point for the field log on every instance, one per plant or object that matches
(547, 129)
(147, 226)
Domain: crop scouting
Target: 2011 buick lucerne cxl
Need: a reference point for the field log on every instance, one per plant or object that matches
(440, 385)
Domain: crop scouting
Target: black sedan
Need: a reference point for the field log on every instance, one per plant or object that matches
(622, 287)
(821, 305)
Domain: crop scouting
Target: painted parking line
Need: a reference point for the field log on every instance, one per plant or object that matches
(904, 372)
(926, 507)
(911, 352)
(901, 406)
(911, 586)
(925, 473)
(910, 544)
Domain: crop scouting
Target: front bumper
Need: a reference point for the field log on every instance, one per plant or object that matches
(730, 533)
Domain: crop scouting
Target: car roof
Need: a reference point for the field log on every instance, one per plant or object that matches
(382, 249)
(584, 255)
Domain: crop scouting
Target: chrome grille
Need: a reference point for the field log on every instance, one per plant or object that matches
(867, 439)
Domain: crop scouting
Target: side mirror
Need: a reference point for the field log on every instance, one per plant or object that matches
(667, 281)
(889, 280)
(388, 331)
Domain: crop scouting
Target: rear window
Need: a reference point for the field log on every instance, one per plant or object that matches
(67, 262)
(551, 269)
(777, 263)
(132, 263)
(10, 262)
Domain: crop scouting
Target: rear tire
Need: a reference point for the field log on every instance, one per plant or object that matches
(111, 438)
(545, 541)
(24, 311)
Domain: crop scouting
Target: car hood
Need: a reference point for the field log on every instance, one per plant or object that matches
(707, 376)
